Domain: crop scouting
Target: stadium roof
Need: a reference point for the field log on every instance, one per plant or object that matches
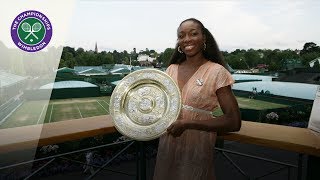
(92, 71)
(67, 84)
(84, 68)
(134, 68)
(65, 69)
(124, 66)
(311, 63)
(230, 69)
(120, 71)
(287, 89)
(8, 79)
(116, 82)
(107, 68)
(238, 77)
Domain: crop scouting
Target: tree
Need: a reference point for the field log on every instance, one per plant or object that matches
(252, 57)
(109, 58)
(116, 57)
(310, 47)
(69, 49)
(309, 52)
(288, 54)
(165, 56)
(79, 50)
(273, 66)
(316, 65)
(69, 59)
(235, 61)
(62, 63)
(306, 58)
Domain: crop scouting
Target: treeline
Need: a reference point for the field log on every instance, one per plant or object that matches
(238, 59)
(275, 59)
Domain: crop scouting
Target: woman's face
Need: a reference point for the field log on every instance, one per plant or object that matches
(190, 38)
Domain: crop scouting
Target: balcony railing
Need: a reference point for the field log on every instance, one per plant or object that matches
(300, 140)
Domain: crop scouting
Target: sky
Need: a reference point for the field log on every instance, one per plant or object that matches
(127, 24)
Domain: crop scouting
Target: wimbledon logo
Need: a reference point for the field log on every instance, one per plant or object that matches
(31, 31)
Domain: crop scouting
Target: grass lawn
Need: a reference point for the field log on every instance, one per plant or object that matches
(29, 113)
(246, 103)
(38, 112)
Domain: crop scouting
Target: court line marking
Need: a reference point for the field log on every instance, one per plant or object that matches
(106, 102)
(41, 114)
(4, 119)
(50, 113)
(79, 110)
(102, 106)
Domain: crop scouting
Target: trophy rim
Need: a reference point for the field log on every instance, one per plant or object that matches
(152, 78)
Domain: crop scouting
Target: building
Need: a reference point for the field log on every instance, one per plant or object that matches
(290, 64)
(145, 60)
(70, 89)
(311, 63)
(96, 48)
(10, 85)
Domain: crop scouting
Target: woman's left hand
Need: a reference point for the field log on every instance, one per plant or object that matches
(176, 128)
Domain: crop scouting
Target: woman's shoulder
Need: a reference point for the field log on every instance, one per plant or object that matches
(215, 66)
(171, 67)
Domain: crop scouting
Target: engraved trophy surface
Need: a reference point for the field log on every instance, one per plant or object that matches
(144, 104)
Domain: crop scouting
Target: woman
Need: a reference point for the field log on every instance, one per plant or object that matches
(186, 150)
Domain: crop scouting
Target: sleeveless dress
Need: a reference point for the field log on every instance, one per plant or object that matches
(190, 156)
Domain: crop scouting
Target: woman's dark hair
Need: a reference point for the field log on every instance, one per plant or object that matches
(212, 52)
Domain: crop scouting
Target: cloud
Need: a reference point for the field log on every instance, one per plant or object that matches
(235, 24)
(275, 24)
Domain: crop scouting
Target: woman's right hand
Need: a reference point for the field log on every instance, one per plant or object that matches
(176, 128)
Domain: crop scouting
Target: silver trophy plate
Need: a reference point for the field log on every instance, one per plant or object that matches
(144, 104)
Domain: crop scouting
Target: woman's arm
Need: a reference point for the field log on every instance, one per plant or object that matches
(230, 121)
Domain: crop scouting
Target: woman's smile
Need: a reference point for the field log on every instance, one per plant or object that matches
(189, 47)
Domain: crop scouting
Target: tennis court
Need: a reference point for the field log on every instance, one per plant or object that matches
(247, 103)
(38, 112)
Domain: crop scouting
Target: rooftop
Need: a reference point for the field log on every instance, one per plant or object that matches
(287, 89)
(67, 84)
(8, 79)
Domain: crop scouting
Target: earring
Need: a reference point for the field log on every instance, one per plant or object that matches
(204, 46)
(179, 50)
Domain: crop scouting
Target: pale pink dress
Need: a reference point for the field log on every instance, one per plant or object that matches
(190, 156)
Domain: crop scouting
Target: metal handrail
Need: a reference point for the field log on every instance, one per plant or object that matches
(63, 154)
(285, 165)
(53, 157)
